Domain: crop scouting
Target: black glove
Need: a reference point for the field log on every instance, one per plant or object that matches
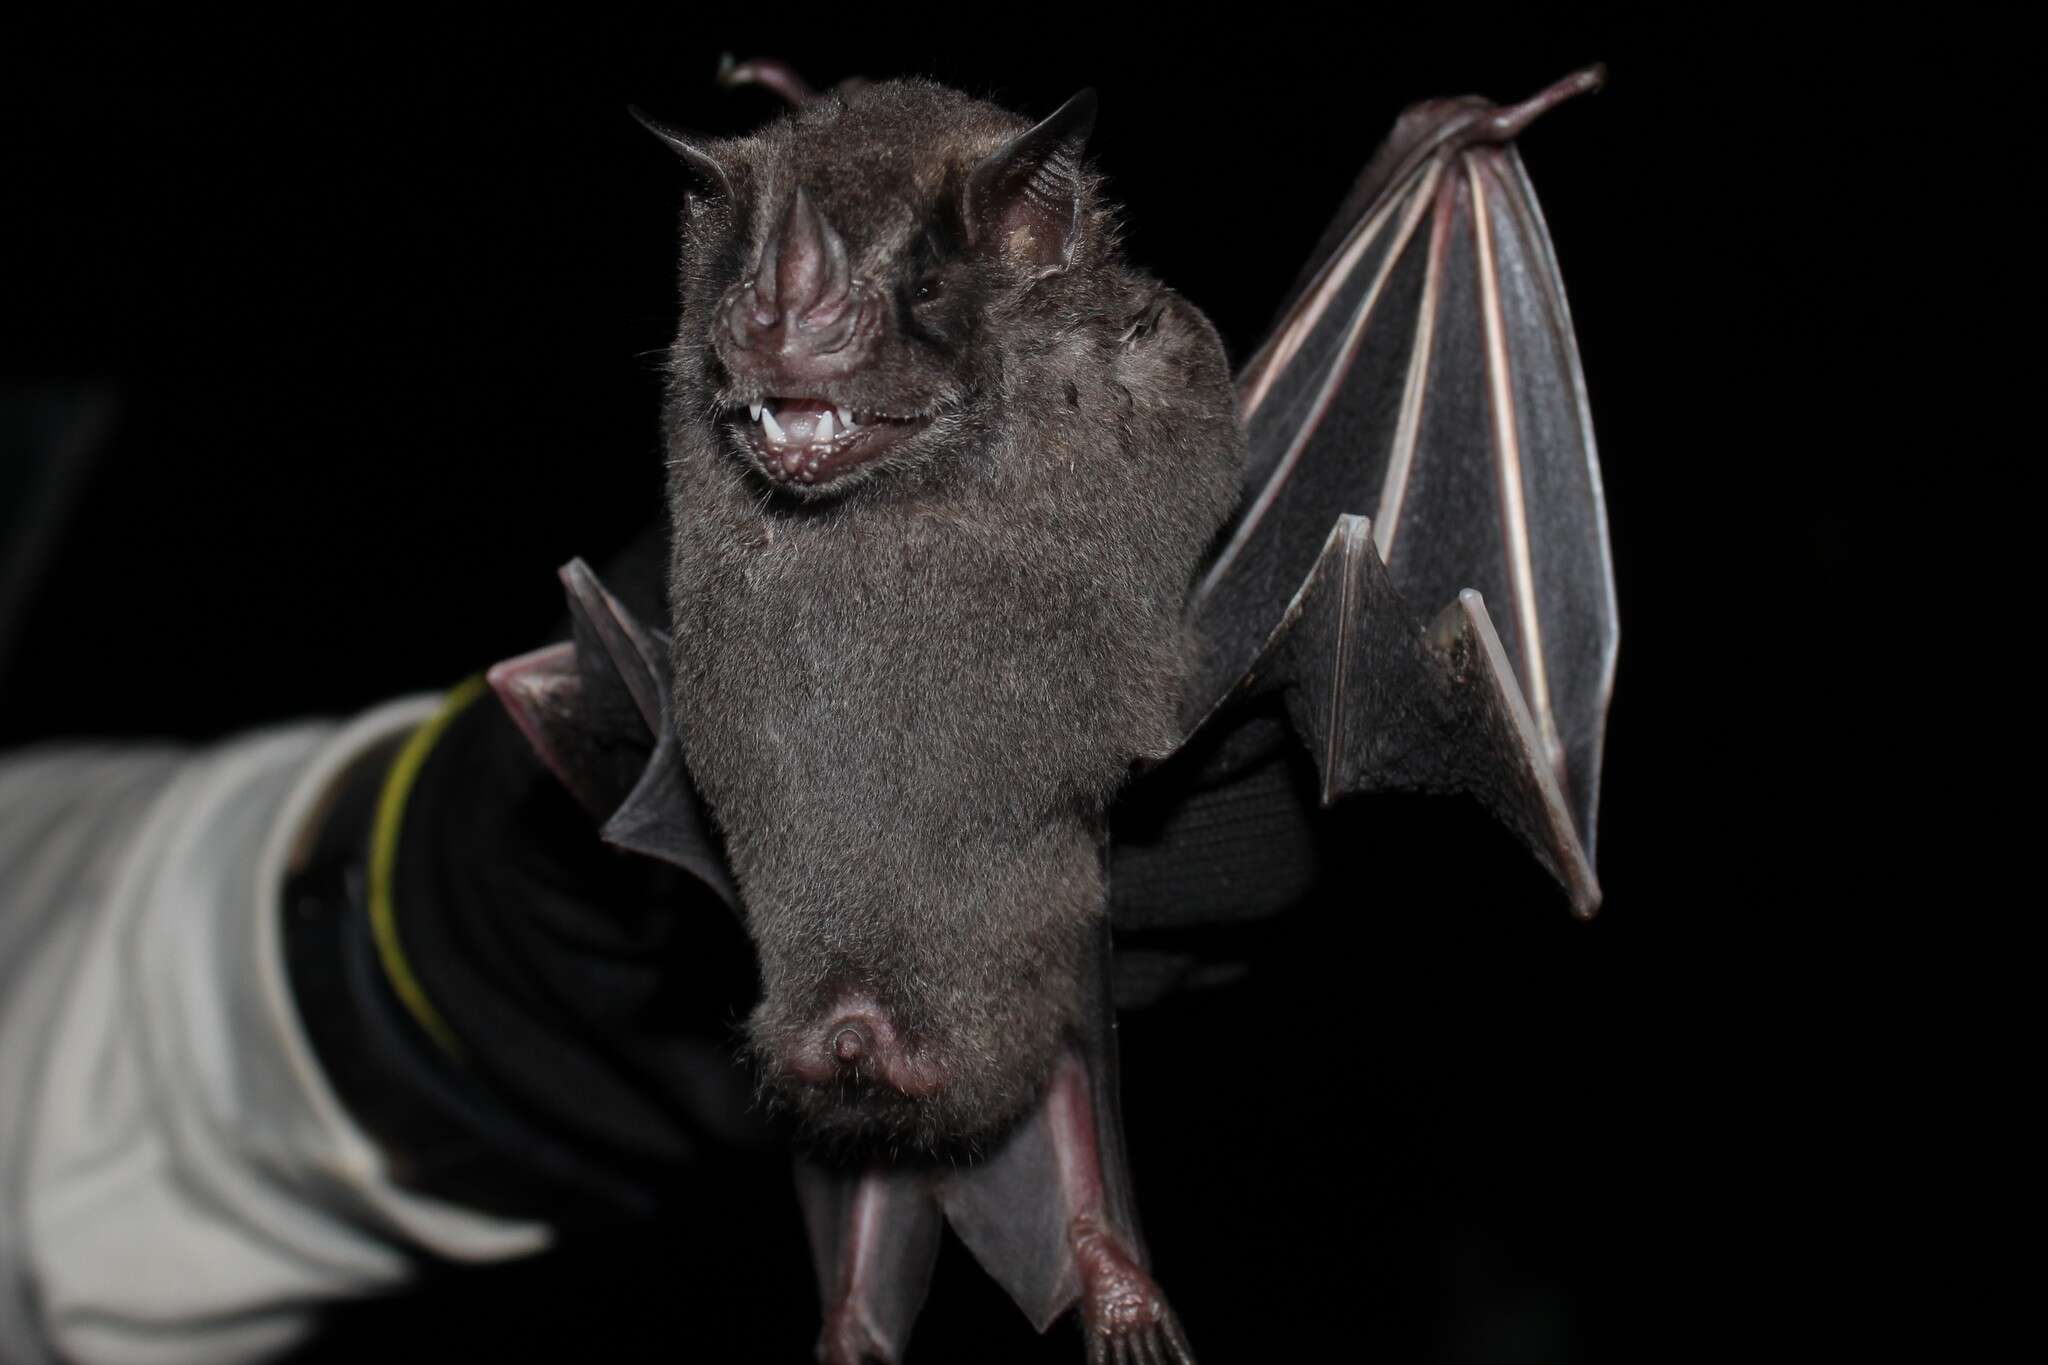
(525, 1018)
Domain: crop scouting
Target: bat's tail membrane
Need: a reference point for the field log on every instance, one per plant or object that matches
(1425, 377)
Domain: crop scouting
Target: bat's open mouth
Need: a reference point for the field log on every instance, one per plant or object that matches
(809, 442)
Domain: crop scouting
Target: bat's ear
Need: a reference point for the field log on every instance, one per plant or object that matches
(1024, 201)
(710, 172)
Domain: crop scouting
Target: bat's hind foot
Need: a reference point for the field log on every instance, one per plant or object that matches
(1124, 1316)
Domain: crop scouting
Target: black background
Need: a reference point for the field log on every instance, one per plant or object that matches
(382, 305)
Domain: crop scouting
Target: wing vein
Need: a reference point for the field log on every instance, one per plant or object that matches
(1386, 521)
(1275, 357)
(1508, 451)
(1332, 381)
(1340, 671)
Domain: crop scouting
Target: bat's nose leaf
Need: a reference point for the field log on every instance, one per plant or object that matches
(811, 270)
(801, 303)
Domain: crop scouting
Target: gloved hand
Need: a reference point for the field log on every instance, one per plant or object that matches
(528, 1018)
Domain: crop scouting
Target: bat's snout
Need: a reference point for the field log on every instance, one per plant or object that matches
(800, 317)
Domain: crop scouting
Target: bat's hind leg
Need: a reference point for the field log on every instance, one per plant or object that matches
(1124, 1314)
(1049, 1215)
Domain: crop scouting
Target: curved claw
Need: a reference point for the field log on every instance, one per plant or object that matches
(775, 75)
(1155, 1343)
(1159, 1342)
(1508, 123)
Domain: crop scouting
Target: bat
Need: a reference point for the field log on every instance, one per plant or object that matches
(993, 596)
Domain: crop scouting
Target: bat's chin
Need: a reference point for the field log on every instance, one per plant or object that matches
(809, 445)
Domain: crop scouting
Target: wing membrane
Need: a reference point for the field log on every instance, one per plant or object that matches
(1425, 378)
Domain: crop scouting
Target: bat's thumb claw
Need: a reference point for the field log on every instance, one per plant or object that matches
(1509, 122)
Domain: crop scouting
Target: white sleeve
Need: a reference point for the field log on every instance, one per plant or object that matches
(178, 1182)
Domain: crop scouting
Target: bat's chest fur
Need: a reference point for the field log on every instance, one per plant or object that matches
(911, 708)
(890, 705)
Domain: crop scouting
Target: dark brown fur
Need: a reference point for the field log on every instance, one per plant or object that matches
(908, 699)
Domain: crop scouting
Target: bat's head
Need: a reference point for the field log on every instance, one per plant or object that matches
(860, 277)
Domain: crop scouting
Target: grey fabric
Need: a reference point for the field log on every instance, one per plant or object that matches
(177, 1180)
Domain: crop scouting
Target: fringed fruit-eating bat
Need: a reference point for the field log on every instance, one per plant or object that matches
(969, 520)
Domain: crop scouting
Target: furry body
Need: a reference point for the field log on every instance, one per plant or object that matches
(909, 699)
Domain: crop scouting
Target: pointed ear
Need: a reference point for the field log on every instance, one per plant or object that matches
(706, 167)
(1024, 201)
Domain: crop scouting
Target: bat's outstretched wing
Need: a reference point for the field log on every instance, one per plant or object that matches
(1420, 443)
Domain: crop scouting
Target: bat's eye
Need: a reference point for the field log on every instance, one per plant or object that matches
(927, 289)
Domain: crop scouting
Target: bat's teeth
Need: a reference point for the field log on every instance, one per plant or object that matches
(846, 419)
(824, 428)
(754, 411)
(771, 426)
